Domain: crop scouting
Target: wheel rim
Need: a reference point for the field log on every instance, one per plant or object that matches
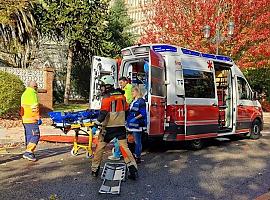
(197, 142)
(256, 129)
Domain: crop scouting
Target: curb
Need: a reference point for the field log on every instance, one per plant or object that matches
(265, 196)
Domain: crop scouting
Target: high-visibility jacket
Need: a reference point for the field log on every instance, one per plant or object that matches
(112, 111)
(29, 106)
(128, 95)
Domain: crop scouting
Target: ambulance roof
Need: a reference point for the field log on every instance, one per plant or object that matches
(172, 49)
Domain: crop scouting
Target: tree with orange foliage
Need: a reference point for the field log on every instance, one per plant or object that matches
(181, 23)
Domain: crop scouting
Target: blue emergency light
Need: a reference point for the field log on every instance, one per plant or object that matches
(205, 55)
(224, 58)
(190, 52)
(164, 48)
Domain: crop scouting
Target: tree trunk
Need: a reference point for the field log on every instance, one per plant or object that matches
(68, 76)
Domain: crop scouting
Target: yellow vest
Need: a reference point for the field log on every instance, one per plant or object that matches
(29, 106)
(128, 94)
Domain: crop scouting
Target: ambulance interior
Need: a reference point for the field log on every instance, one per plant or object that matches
(137, 73)
(224, 93)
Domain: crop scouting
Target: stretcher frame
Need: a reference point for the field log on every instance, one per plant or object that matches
(79, 131)
(81, 126)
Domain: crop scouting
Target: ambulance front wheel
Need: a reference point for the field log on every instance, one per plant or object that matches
(196, 144)
(255, 130)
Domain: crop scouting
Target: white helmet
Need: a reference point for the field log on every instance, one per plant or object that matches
(107, 80)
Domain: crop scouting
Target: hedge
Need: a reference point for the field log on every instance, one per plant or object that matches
(11, 89)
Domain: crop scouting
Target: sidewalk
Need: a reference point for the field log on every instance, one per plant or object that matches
(16, 135)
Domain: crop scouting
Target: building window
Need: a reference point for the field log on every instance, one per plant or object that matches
(199, 84)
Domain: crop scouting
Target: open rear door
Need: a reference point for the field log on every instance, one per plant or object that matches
(100, 67)
(157, 94)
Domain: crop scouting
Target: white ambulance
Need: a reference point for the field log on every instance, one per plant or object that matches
(190, 95)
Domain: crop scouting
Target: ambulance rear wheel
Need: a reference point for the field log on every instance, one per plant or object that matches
(196, 144)
(255, 130)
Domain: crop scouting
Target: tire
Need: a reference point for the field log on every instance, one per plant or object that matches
(73, 152)
(255, 130)
(88, 155)
(196, 144)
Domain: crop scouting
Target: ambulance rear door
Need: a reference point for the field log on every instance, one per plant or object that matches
(100, 67)
(157, 94)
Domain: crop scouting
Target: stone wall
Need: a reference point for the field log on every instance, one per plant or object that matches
(44, 79)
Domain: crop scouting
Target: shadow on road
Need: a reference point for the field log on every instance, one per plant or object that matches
(41, 154)
(222, 170)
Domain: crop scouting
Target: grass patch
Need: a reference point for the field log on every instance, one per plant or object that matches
(70, 107)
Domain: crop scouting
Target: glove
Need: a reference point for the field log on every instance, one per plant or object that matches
(133, 120)
(94, 130)
(39, 122)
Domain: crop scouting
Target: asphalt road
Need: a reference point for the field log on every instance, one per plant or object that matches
(222, 170)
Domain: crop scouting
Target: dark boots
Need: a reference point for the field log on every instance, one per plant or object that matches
(133, 172)
(95, 173)
(138, 160)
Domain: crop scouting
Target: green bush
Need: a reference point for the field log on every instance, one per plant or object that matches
(11, 89)
(259, 80)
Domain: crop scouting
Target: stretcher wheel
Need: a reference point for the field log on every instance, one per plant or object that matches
(73, 152)
(88, 155)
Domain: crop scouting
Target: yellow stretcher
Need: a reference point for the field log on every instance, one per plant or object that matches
(81, 129)
(81, 122)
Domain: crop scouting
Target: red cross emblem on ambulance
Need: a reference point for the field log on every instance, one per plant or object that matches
(210, 64)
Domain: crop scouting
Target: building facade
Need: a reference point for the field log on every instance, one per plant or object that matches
(138, 11)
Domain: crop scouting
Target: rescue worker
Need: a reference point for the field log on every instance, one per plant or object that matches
(136, 120)
(31, 119)
(127, 88)
(112, 122)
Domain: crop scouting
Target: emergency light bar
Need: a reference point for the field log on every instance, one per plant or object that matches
(164, 48)
(205, 55)
(190, 52)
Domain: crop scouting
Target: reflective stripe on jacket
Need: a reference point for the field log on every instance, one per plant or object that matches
(115, 105)
(29, 106)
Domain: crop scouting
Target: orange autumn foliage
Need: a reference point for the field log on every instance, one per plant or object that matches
(181, 23)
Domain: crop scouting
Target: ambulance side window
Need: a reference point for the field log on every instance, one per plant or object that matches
(157, 81)
(199, 84)
(244, 91)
